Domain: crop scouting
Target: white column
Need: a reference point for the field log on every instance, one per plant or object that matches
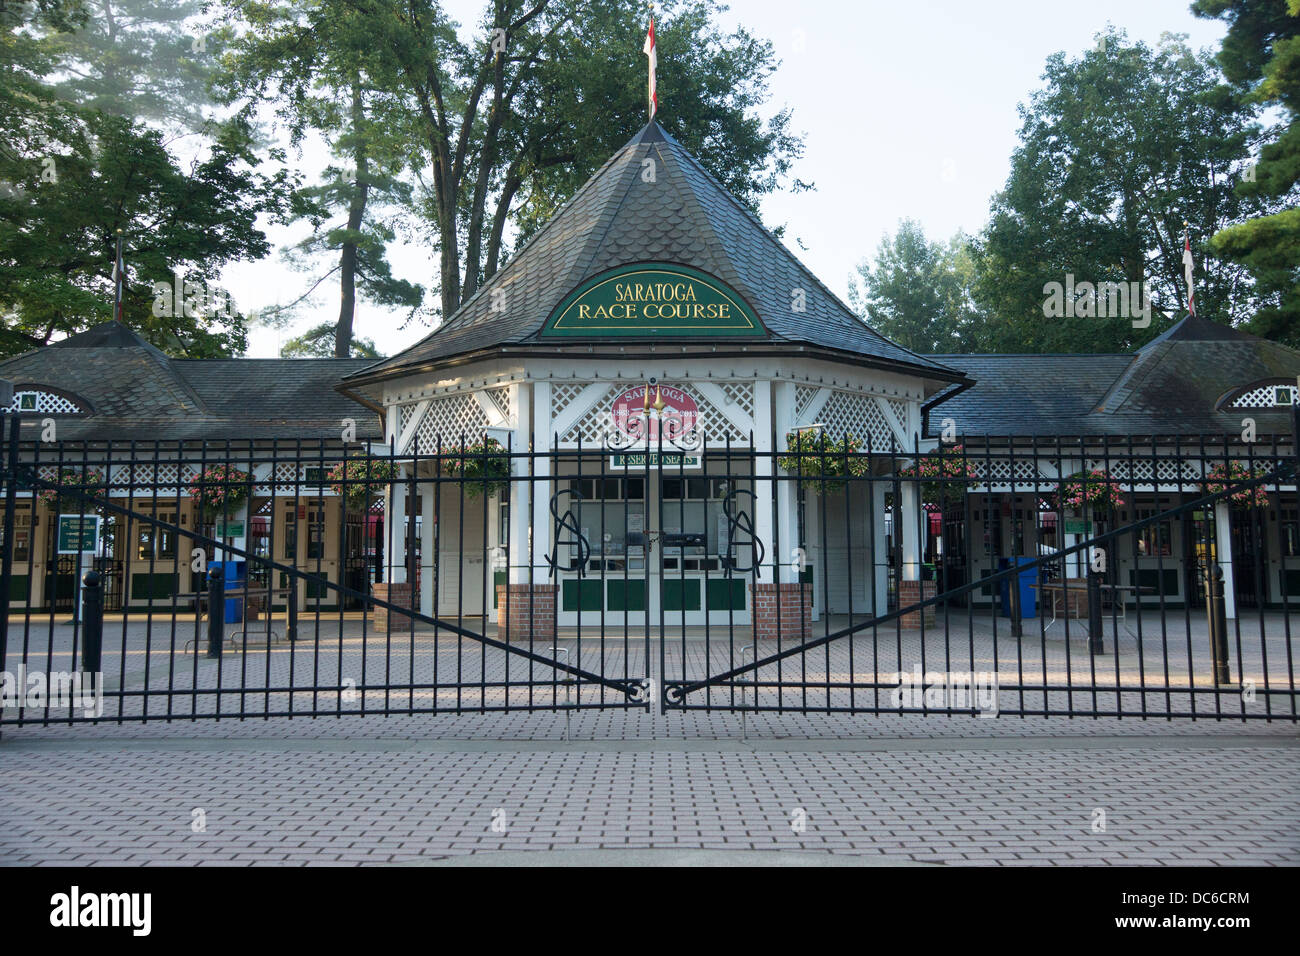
(428, 559)
(395, 528)
(909, 507)
(786, 531)
(1223, 553)
(533, 566)
(879, 549)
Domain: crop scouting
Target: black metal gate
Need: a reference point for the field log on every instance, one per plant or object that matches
(825, 577)
(278, 628)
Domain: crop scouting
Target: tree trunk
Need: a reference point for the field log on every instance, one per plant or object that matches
(356, 215)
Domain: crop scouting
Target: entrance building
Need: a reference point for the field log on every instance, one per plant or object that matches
(665, 346)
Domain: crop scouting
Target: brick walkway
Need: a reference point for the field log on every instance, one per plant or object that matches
(430, 788)
(425, 789)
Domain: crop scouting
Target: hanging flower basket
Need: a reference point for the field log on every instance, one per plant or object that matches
(484, 466)
(945, 475)
(1089, 489)
(361, 478)
(220, 490)
(825, 462)
(1221, 478)
(72, 483)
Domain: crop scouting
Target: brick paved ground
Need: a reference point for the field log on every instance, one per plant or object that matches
(429, 787)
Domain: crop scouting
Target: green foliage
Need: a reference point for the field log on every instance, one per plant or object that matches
(1261, 58)
(1117, 149)
(150, 60)
(918, 291)
(483, 465)
(57, 235)
(318, 342)
(311, 65)
(72, 176)
(812, 454)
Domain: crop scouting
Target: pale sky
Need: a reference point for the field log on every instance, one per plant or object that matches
(908, 110)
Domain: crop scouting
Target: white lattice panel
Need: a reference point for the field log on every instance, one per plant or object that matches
(451, 420)
(286, 478)
(404, 413)
(740, 394)
(998, 471)
(167, 478)
(899, 409)
(1266, 397)
(590, 429)
(563, 394)
(500, 398)
(44, 403)
(803, 397)
(847, 413)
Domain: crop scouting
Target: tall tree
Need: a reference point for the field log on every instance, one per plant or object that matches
(505, 124)
(1261, 58)
(918, 292)
(72, 176)
(312, 65)
(1117, 149)
(151, 60)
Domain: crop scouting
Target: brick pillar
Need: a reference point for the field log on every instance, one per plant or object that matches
(793, 602)
(525, 610)
(395, 592)
(913, 592)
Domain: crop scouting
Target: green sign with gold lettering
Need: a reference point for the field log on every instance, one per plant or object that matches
(648, 300)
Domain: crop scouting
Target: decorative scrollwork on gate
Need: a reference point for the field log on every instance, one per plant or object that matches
(739, 520)
(567, 522)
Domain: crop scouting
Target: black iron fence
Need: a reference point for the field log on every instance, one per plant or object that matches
(1143, 577)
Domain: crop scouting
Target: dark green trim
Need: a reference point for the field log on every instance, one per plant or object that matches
(681, 595)
(627, 595)
(590, 596)
(725, 594)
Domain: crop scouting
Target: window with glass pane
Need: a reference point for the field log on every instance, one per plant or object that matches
(166, 536)
(1290, 532)
(290, 534)
(1154, 540)
(144, 543)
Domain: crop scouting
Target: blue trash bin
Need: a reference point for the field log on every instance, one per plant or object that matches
(1025, 580)
(236, 574)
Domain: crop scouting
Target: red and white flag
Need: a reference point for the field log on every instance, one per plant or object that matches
(649, 50)
(1187, 271)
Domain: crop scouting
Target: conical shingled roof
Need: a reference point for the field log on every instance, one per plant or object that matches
(679, 215)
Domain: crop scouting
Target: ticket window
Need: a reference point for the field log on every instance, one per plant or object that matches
(611, 513)
(696, 530)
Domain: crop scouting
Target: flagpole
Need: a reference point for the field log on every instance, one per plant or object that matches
(118, 279)
(652, 54)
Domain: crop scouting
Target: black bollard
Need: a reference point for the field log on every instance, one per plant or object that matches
(1096, 641)
(1013, 592)
(216, 610)
(1218, 626)
(92, 622)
